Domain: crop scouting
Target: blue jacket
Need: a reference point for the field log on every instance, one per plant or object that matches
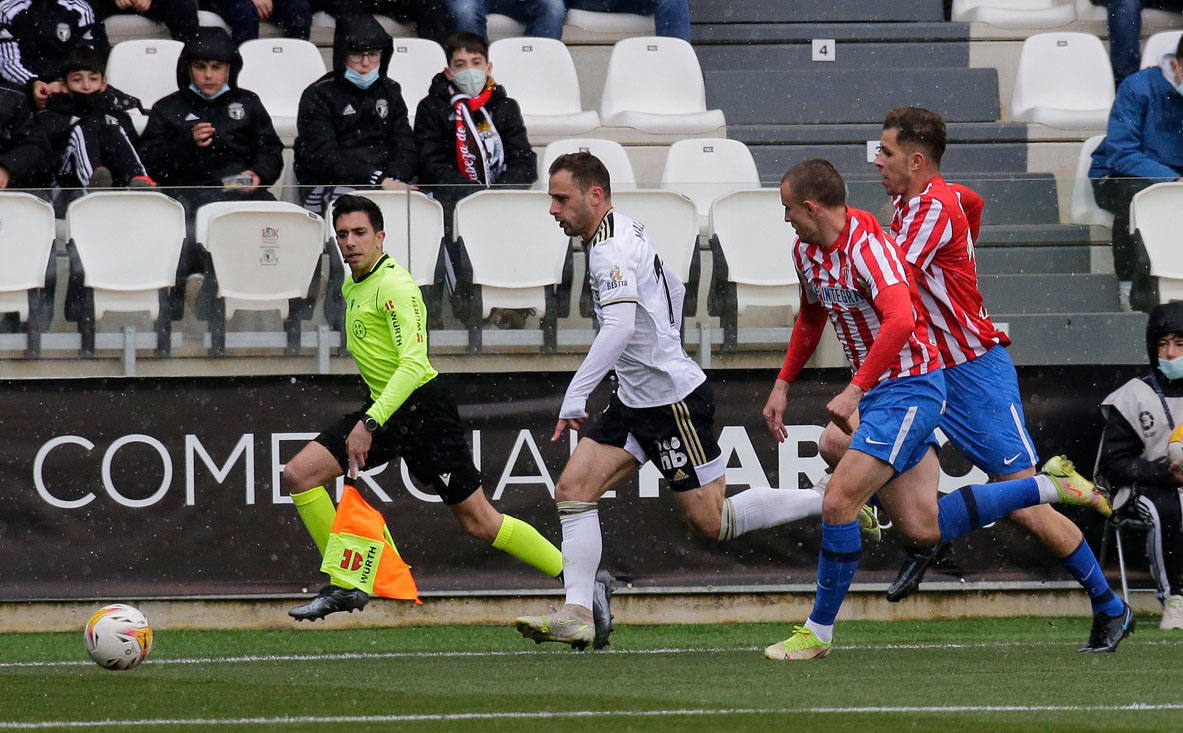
(1145, 135)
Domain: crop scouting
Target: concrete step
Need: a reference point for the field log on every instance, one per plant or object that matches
(1077, 293)
(779, 11)
(1072, 338)
(1027, 198)
(1063, 259)
(851, 160)
(859, 32)
(858, 134)
(799, 56)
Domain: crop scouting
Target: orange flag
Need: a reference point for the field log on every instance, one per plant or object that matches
(361, 554)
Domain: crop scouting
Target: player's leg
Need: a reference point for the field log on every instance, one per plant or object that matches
(507, 533)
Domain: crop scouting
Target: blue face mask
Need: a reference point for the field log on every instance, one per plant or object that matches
(1171, 368)
(361, 81)
(225, 88)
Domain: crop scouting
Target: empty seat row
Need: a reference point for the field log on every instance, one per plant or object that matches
(653, 84)
(1037, 14)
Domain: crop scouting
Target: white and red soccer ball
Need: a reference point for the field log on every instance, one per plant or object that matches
(118, 637)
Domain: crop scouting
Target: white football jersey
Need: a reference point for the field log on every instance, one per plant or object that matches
(623, 266)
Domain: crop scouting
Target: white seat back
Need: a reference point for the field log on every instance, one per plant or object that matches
(263, 253)
(610, 153)
(1158, 44)
(1063, 80)
(514, 264)
(414, 225)
(1084, 208)
(703, 169)
(129, 243)
(756, 240)
(27, 232)
(1021, 14)
(1156, 211)
(672, 221)
(653, 74)
(144, 68)
(538, 73)
(413, 64)
(279, 70)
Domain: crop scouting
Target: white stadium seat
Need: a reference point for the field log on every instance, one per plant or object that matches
(264, 255)
(1159, 44)
(750, 242)
(610, 153)
(655, 85)
(540, 75)
(1155, 213)
(1064, 80)
(590, 24)
(413, 64)
(1151, 17)
(125, 247)
(672, 221)
(27, 232)
(145, 69)
(502, 26)
(1015, 13)
(507, 267)
(1083, 208)
(703, 169)
(278, 70)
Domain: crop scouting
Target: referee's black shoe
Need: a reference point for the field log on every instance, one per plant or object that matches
(1108, 631)
(330, 599)
(913, 571)
(602, 608)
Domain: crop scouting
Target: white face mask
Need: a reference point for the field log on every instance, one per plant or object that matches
(470, 81)
(1171, 368)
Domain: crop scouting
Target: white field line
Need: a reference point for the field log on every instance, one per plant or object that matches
(592, 714)
(346, 656)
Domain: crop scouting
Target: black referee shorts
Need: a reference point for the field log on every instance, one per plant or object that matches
(678, 438)
(426, 433)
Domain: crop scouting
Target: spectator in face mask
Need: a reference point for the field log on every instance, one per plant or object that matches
(352, 128)
(1139, 418)
(1143, 146)
(471, 136)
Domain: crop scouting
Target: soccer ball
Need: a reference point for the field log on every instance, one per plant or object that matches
(118, 637)
(1175, 445)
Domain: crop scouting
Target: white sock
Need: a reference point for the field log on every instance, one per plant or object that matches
(1048, 493)
(582, 546)
(822, 632)
(761, 507)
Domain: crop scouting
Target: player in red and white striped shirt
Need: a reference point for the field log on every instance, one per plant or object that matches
(853, 273)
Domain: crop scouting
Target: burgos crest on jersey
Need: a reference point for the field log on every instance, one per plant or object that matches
(63, 32)
(382, 108)
(236, 111)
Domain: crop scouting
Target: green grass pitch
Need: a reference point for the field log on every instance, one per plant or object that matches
(1017, 674)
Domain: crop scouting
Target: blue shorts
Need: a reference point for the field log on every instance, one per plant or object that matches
(984, 414)
(897, 419)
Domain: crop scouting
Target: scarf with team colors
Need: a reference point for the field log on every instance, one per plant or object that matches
(477, 139)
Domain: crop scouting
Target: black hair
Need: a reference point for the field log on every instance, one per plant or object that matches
(350, 203)
(465, 40)
(586, 171)
(817, 180)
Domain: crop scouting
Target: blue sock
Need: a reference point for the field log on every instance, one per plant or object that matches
(836, 563)
(975, 506)
(1082, 564)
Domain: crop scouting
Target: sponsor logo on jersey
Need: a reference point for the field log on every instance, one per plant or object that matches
(190, 117)
(670, 455)
(349, 110)
(840, 296)
(389, 305)
(681, 475)
(236, 111)
(615, 279)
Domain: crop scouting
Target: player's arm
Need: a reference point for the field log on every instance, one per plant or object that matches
(1121, 455)
(924, 232)
(803, 341)
(972, 204)
(617, 322)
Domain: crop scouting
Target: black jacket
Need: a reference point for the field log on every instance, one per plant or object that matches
(24, 151)
(244, 138)
(435, 132)
(352, 136)
(35, 37)
(63, 111)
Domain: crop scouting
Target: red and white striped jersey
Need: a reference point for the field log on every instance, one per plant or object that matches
(933, 233)
(847, 276)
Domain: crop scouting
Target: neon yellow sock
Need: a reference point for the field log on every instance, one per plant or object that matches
(523, 542)
(317, 510)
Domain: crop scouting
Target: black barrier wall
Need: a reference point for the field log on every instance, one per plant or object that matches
(169, 487)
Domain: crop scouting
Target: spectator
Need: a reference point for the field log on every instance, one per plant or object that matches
(670, 17)
(471, 135)
(1143, 146)
(352, 128)
(35, 36)
(212, 134)
(24, 151)
(244, 16)
(1139, 418)
(179, 16)
(543, 18)
(1125, 31)
(429, 16)
(89, 132)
